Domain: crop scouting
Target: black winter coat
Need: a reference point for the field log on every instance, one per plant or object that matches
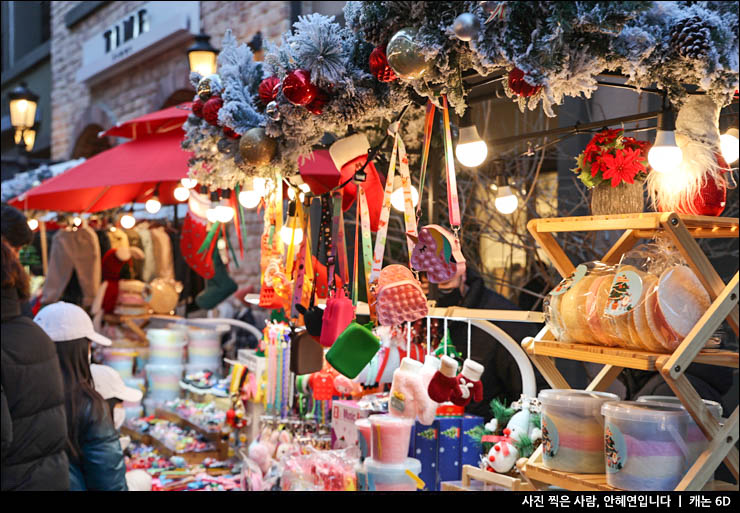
(102, 467)
(501, 378)
(34, 425)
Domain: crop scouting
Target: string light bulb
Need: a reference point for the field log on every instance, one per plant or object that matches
(506, 201)
(77, 221)
(286, 232)
(665, 155)
(153, 205)
(249, 199)
(397, 198)
(729, 145)
(224, 211)
(181, 193)
(188, 183)
(211, 213)
(127, 221)
(33, 224)
(471, 150)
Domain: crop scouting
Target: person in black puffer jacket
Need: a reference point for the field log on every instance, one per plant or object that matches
(34, 423)
(95, 456)
(501, 378)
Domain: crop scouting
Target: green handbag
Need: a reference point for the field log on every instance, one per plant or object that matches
(353, 349)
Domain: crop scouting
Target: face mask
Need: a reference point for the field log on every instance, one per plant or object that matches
(450, 297)
(119, 416)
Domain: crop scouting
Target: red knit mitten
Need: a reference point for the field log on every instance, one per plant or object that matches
(468, 384)
(443, 382)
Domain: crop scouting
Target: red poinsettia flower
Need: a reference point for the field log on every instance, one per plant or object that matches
(598, 164)
(606, 136)
(624, 166)
(591, 152)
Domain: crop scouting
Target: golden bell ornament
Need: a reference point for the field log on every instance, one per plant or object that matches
(256, 148)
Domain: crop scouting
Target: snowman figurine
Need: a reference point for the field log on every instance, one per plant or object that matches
(503, 455)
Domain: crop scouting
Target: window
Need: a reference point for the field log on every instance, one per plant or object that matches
(26, 26)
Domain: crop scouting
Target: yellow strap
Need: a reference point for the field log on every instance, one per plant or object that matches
(419, 483)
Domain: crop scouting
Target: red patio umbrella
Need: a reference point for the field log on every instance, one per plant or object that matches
(160, 122)
(124, 174)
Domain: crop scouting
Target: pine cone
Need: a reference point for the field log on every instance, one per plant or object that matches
(690, 38)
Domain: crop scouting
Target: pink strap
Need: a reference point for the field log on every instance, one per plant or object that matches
(385, 213)
(453, 204)
(408, 206)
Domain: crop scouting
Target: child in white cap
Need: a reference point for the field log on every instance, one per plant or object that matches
(95, 456)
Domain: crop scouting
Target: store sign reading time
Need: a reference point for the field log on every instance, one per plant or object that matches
(150, 29)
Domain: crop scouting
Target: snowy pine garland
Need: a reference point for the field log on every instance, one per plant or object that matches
(561, 47)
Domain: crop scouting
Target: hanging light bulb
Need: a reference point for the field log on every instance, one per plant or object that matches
(211, 213)
(224, 211)
(729, 145)
(249, 199)
(77, 221)
(506, 201)
(259, 185)
(471, 150)
(153, 204)
(33, 223)
(181, 193)
(286, 232)
(397, 199)
(304, 187)
(665, 155)
(188, 183)
(127, 221)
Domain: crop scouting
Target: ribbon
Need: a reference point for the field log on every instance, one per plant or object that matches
(339, 252)
(384, 216)
(238, 219)
(497, 12)
(367, 250)
(453, 204)
(304, 266)
(408, 205)
(355, 266)
(428, 126)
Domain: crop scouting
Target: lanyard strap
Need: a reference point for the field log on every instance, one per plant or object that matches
(335, 259)
(384, 215)
(453, 204)
(367, 250)
(355, 266)
(408, 206)
(304, 267)
(428, 126)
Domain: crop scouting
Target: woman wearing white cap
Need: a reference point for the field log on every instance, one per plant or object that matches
(110, 386)
(95, 455)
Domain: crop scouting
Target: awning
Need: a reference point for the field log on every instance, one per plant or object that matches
(160, 122)
(126, 173)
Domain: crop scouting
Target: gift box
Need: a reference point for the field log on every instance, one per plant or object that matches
(425, 447)
(470, 448)
(343, 430)
(449, 467)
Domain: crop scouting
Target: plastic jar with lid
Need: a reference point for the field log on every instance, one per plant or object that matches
(646, 445)
(392, 477)
(573, 430)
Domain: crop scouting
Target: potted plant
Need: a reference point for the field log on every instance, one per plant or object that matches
(614, 167)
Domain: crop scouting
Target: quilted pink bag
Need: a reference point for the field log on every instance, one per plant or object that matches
(337, 316)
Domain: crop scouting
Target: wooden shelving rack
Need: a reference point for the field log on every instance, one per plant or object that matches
(682, 230)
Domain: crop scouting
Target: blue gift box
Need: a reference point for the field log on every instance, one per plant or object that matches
(424, 447)
(449, 466)
(470, 449)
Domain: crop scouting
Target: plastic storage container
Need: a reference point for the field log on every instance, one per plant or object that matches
(391, 477)
(204, 349)
(695, 438)
(390, 438)
(120, 359)
(645, 445)
(363, 436)
(573, 430)
(166, 347)
(163, 381)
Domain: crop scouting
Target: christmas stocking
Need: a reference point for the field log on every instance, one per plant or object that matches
(468, 384)
(443, 382)
(218, 288)
(194, 232)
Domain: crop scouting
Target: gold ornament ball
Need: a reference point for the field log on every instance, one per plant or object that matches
(256, 148)
(404, 55)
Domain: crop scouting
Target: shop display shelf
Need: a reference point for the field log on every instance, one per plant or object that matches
(536, 471)
(625, 358)
(682, 230)
(482, 480)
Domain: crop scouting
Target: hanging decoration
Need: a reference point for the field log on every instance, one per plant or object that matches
(699, 185)
(379, 66)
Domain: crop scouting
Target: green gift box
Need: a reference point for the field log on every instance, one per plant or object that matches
(353, 349)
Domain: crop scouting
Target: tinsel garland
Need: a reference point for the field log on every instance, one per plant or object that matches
(560, 46)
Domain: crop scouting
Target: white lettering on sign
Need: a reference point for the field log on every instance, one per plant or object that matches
(127, 29)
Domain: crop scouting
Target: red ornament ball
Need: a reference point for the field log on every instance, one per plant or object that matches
(211, 108)
(298, 89)
(268, 89)
(379, 66)
(317, 105)
(228, 132)
(520, 86)
(197, 107)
